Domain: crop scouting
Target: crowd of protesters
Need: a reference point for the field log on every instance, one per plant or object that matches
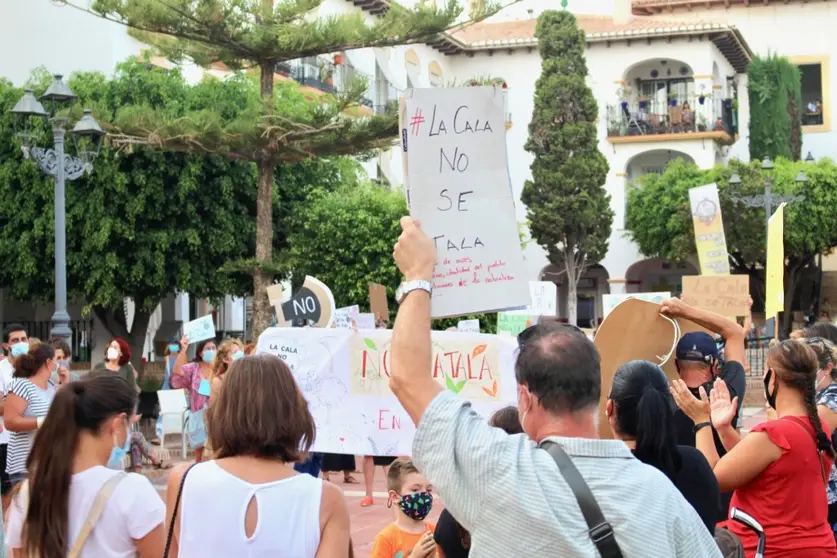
(536, 480)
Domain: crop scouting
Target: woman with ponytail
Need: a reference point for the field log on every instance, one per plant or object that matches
(640, 410)
(69, 484)
(779, 471)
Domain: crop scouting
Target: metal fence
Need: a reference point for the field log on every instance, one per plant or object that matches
(633, 117)
(80, 342)
(756, 351)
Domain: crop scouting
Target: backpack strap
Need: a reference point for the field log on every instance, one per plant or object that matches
(170, 535)
(600, 531)
(95, 513)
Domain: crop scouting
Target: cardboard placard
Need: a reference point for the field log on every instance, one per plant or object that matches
(456, 171)
(635, 330)
(378, 302)
(312, 303)
(346, 318)
(727, 295)
(468, 326)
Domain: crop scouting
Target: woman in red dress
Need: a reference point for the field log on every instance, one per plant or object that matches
(780, 469)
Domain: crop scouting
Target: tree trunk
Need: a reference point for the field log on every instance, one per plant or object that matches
(572, 287)
(262, 279)
(114, 321)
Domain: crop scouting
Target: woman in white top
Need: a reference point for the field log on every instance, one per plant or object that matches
(259, 426)
(87, 424)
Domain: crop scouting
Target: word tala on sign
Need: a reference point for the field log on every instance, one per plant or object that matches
(344, 376)
(455, 166)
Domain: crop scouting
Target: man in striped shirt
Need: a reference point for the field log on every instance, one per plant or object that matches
(508, 493)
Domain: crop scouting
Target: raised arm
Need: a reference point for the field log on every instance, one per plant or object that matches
(182, 359)
(727, 328)
(411, 379)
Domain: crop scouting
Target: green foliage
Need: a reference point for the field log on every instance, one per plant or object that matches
(775, 89)
(345, 239)
(658, 215)
(568, 209)
(145, 223)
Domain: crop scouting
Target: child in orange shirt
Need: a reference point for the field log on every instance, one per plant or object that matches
(409, 535)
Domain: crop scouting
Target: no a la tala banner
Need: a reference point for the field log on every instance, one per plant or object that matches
(709, 230)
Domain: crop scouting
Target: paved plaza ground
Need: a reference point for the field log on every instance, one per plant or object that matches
(367, 522)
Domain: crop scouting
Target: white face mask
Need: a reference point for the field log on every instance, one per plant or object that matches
(113, 354)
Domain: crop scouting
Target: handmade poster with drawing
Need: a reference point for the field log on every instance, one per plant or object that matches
(346, 318)
(200, 329)
(455, 167)
(344, 376)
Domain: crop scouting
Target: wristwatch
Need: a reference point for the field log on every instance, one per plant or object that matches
(407, 287)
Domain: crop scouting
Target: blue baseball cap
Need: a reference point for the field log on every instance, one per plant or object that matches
(697, 346)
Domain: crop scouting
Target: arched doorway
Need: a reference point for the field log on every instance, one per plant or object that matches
(658, 275)
(653, 161)
(591, 286)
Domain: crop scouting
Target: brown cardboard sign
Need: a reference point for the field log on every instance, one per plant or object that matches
(313, 302)
(378, 302)
(727, 295)
(635, 330)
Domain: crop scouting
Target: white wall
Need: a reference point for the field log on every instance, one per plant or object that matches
(788, 29)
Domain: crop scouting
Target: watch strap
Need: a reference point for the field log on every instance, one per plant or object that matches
(409, 286)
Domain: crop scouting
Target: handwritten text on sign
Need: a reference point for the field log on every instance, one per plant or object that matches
(727, 295)
(344, 376)
(458, 187)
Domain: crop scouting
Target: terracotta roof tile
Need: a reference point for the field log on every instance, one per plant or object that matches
(525, 29)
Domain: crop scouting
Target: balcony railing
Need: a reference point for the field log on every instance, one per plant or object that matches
(326, 76)
(635, 117)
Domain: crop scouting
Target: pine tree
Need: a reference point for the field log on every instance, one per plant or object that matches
(258, 35)
(568, 209)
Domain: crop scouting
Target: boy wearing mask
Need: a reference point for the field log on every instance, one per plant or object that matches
(411, 497)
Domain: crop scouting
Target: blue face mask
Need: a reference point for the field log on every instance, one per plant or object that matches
(118, 453)
(174, 348)
(237, 355)
(20, 349)
(208, 356)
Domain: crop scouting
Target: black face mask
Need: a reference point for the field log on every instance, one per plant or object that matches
(771, 397)
(707, 387)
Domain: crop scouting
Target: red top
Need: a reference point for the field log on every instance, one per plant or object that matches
(788, 498)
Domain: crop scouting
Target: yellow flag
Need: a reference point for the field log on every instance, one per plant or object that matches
(775, 298)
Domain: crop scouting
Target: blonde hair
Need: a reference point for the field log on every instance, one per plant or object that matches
(224, 351)
(797, 334)
(34, 342)
(398, 472)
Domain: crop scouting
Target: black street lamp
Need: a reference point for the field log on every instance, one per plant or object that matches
(87, 139)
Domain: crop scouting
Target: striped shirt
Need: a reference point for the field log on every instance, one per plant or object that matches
(514, 501)
(38, 401)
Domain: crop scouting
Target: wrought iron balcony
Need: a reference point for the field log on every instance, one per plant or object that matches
(687, 115)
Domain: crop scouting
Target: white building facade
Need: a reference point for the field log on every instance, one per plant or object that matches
(647, 59)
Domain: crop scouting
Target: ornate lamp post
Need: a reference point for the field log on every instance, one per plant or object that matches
(768, 199)
(87, 138)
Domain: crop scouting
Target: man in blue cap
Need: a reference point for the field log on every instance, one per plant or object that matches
(698, 363)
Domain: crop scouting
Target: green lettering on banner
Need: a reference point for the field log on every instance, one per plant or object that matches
(512, 324)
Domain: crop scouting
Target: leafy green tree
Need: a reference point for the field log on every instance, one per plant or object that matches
(568, 210)
(145, 223)
(775, 89)
(277, 128)
(345, 239)
(658, 217)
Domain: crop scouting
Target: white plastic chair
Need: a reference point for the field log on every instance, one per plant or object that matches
(174, 409)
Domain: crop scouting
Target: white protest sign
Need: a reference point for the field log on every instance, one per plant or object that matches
(544, 300)
(455, 167)
(365, 321)
(344, 317)
(200, 329)
(468, 326)
(610, 301)
(344, 376)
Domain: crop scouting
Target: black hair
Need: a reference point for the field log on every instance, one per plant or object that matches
(11, 328)
(824, 330)
(561, 367)
(83, 405)
(644, 411)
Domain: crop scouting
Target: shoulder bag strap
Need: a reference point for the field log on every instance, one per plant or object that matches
(174, 512)
(96, 510)
(601, 532)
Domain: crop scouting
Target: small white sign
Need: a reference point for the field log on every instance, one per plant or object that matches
(468, 326)
(345, 318)
(610, 301)
(200, 329)
(544, 300)
(365, 321)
